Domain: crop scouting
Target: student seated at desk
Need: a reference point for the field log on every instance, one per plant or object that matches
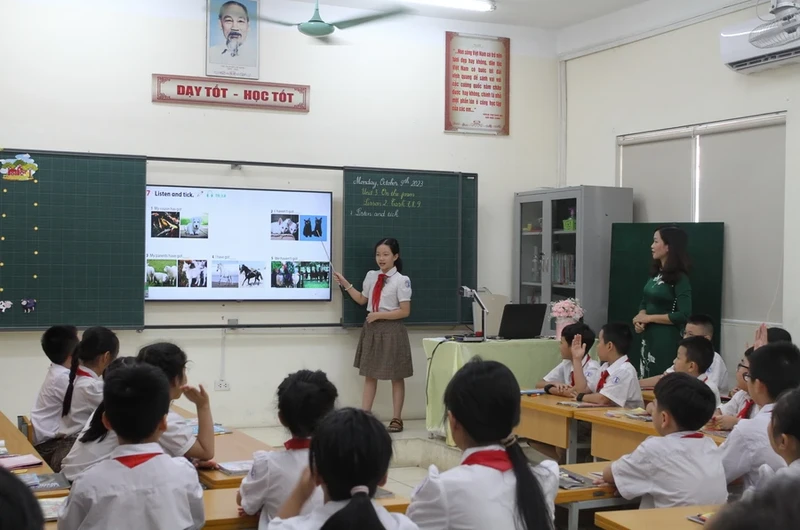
(96, 442)
(681, 466)
(695, 354)
(304, 398)
(577, 371)
(19, 509)
(774, 369)
(784, 430)
(618, 384)
(741, 406)
(57, 344)
(98, 347)
(699, 326)
(495, 486)
(349, 458)
(139, 486)
(773, 507)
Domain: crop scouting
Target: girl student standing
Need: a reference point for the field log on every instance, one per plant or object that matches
(384, 351)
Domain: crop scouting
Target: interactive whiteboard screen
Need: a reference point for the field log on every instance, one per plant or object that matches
(237, 244)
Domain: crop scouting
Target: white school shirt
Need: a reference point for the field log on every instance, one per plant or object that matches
(396, 289)
(717, 373)
(162, 493)
(320, 514)
(87, 394)
(46, 413)
(710, 384)
(735, 405)
(747, 448)
(767, 474)
(176, 441)
(271, 480)
(622, 384)
(562, 372)
(470, 497)
(670, 470)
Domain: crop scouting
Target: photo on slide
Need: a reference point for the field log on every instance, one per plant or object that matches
(300, 274)
(161, 273)
(225, 274)
(284, 227)
(252, 274)
(315, 274)
(164, 224)
(313, 228)
(192, 273)
(194, 226)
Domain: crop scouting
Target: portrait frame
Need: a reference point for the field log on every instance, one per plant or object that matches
(244, 63)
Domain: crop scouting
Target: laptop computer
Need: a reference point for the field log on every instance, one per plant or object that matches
(522, 321)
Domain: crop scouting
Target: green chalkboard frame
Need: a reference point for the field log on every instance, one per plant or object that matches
(435, 300)
(72, 239)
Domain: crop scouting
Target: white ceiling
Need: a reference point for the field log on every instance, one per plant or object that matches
(545, 14)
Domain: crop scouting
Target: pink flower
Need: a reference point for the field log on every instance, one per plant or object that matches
(569, 308)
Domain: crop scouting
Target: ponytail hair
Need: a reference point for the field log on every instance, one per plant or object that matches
(97, 431)
(483, 396)
(168, 357)
(394, 246)
(350, 453)
(95, 342)
(304, 398)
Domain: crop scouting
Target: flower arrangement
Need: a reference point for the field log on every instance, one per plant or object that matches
(569, 308)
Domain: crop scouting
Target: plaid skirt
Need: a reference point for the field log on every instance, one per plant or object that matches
(384, 351)
(55, 450)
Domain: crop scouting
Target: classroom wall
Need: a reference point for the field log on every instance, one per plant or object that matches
(81, 82)
(673, 80)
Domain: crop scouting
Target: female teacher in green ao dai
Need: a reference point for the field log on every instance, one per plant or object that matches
(666, 302)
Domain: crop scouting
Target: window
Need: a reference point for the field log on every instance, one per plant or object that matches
(732, 172)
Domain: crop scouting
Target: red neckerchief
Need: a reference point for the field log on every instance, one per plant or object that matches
(297, 443)
(572, 374)
(745, 412)
(693, 435)
(376, 292)
(604, 376)
(495, 459)
(131, 461)
(82, 373)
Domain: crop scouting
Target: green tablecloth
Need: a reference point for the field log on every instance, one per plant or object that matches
(530, 360)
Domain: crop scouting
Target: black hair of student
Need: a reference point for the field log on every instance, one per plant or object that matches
(483, 396)
(19, 509)
(618, 334)
(170, 358)
(678, 262)
(777, 365)
(748, 352)
(778, 335)
(689, 400)
(304, 398)
(786, 414)
(234, 3)
(95, 342)
(705, 321)
(351, 448)
(136, 399)
(97, 431)
(579, 328)
(58, 343)
(772, 506)
(394, 246)
(700, 351)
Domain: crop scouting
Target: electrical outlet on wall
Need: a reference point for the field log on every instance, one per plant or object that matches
(221, 385)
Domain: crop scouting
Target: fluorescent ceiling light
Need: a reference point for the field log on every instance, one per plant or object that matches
(470, 5)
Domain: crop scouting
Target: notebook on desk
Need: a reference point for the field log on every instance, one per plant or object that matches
(582, 405)
(19, 462)
(571, 481)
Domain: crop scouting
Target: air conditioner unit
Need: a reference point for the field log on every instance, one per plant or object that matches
(764, 43)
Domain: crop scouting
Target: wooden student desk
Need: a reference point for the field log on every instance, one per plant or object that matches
(657, 519)
(648, 396)
(543, 420)
(17, 443)
(588, 498)
(615, 437)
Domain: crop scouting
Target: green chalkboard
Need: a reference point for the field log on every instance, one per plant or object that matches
(72, 239)
(434, 216)
(630, 267)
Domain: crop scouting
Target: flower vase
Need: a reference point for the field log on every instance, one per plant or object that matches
(561, 323)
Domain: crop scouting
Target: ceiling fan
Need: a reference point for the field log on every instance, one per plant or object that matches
(318, 28)
(780, 31)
